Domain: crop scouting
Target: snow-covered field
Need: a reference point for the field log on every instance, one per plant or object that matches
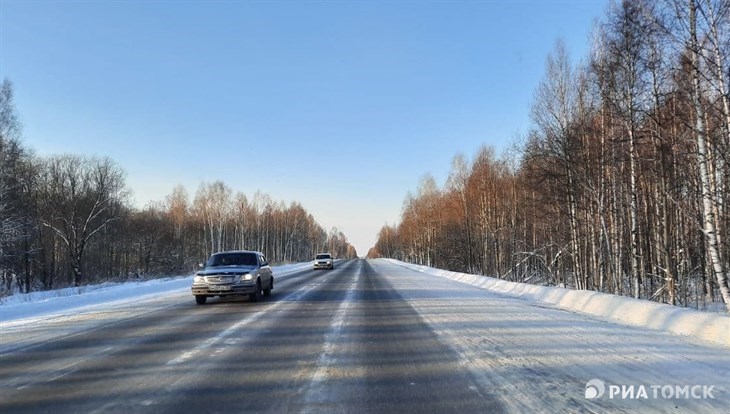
(702, 326)
(76, 300)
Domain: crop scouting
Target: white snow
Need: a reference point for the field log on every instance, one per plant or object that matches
(537, 356)
(704, 326)
(64, 301)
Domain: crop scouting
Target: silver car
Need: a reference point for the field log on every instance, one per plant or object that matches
(324, 261)
(234, 273)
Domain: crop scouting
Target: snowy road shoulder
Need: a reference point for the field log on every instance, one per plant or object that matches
(24, 308)
(709, 327)
(535, 356)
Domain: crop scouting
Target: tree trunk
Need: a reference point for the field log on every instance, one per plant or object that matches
(634, 212)
(707, 197)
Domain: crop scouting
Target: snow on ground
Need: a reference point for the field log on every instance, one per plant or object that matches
(704, 326)
(538, 358)
(74, 300)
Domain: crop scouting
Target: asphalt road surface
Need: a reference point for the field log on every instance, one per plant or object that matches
(366, 337)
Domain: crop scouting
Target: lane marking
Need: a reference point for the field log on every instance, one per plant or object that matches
(293, 296)
(59, 376)
(253, 317)
(296, 295)
(325, 362)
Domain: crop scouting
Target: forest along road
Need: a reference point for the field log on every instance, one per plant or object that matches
(367, 337)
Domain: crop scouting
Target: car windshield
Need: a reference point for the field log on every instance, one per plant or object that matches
(323, 256)
(232, 259)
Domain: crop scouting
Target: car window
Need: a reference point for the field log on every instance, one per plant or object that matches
(233, 259)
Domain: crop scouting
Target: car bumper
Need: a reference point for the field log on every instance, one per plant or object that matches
(323, 265)
(223, 290)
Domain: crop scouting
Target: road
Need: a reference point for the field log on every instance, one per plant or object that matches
(367, 337)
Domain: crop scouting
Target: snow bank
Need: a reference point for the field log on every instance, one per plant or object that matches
(701, 325)
(49, 302)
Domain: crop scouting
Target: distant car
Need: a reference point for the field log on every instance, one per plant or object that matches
(234, 273)
(324, 261)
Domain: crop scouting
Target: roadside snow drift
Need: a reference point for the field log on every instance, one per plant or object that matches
(700, 325)
(36, 304)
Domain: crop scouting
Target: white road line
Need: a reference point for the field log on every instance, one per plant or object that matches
(212, 341)
(59, 376)
(325, 360)
(224, 334)
(63, 374)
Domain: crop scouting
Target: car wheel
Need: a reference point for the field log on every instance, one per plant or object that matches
(267, 291)
(200, 299)
(256, 296)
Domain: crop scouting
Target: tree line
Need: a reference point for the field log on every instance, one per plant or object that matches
(66, 220)
(622, 184)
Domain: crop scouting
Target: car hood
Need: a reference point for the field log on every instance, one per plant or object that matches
(226, 270)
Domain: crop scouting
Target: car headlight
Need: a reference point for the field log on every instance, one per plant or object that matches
(199, 279)
(247, 276)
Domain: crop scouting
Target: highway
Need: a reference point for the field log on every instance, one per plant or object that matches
(366, 337)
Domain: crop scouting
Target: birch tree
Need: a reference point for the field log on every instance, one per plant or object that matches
(708, 210)
(553, 111)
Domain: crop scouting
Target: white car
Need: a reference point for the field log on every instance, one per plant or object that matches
(324, 261)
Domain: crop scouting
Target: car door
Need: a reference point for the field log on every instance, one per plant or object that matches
(265, 271)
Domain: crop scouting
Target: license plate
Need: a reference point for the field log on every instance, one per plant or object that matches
(214, 287)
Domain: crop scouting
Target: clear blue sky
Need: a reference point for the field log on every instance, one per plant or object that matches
(340, 105)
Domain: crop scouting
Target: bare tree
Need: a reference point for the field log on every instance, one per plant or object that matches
(213, 205)
(708, 211)
(554, 112)
(14, 223)
(457, 182)
(627, 48)
(81, 196)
